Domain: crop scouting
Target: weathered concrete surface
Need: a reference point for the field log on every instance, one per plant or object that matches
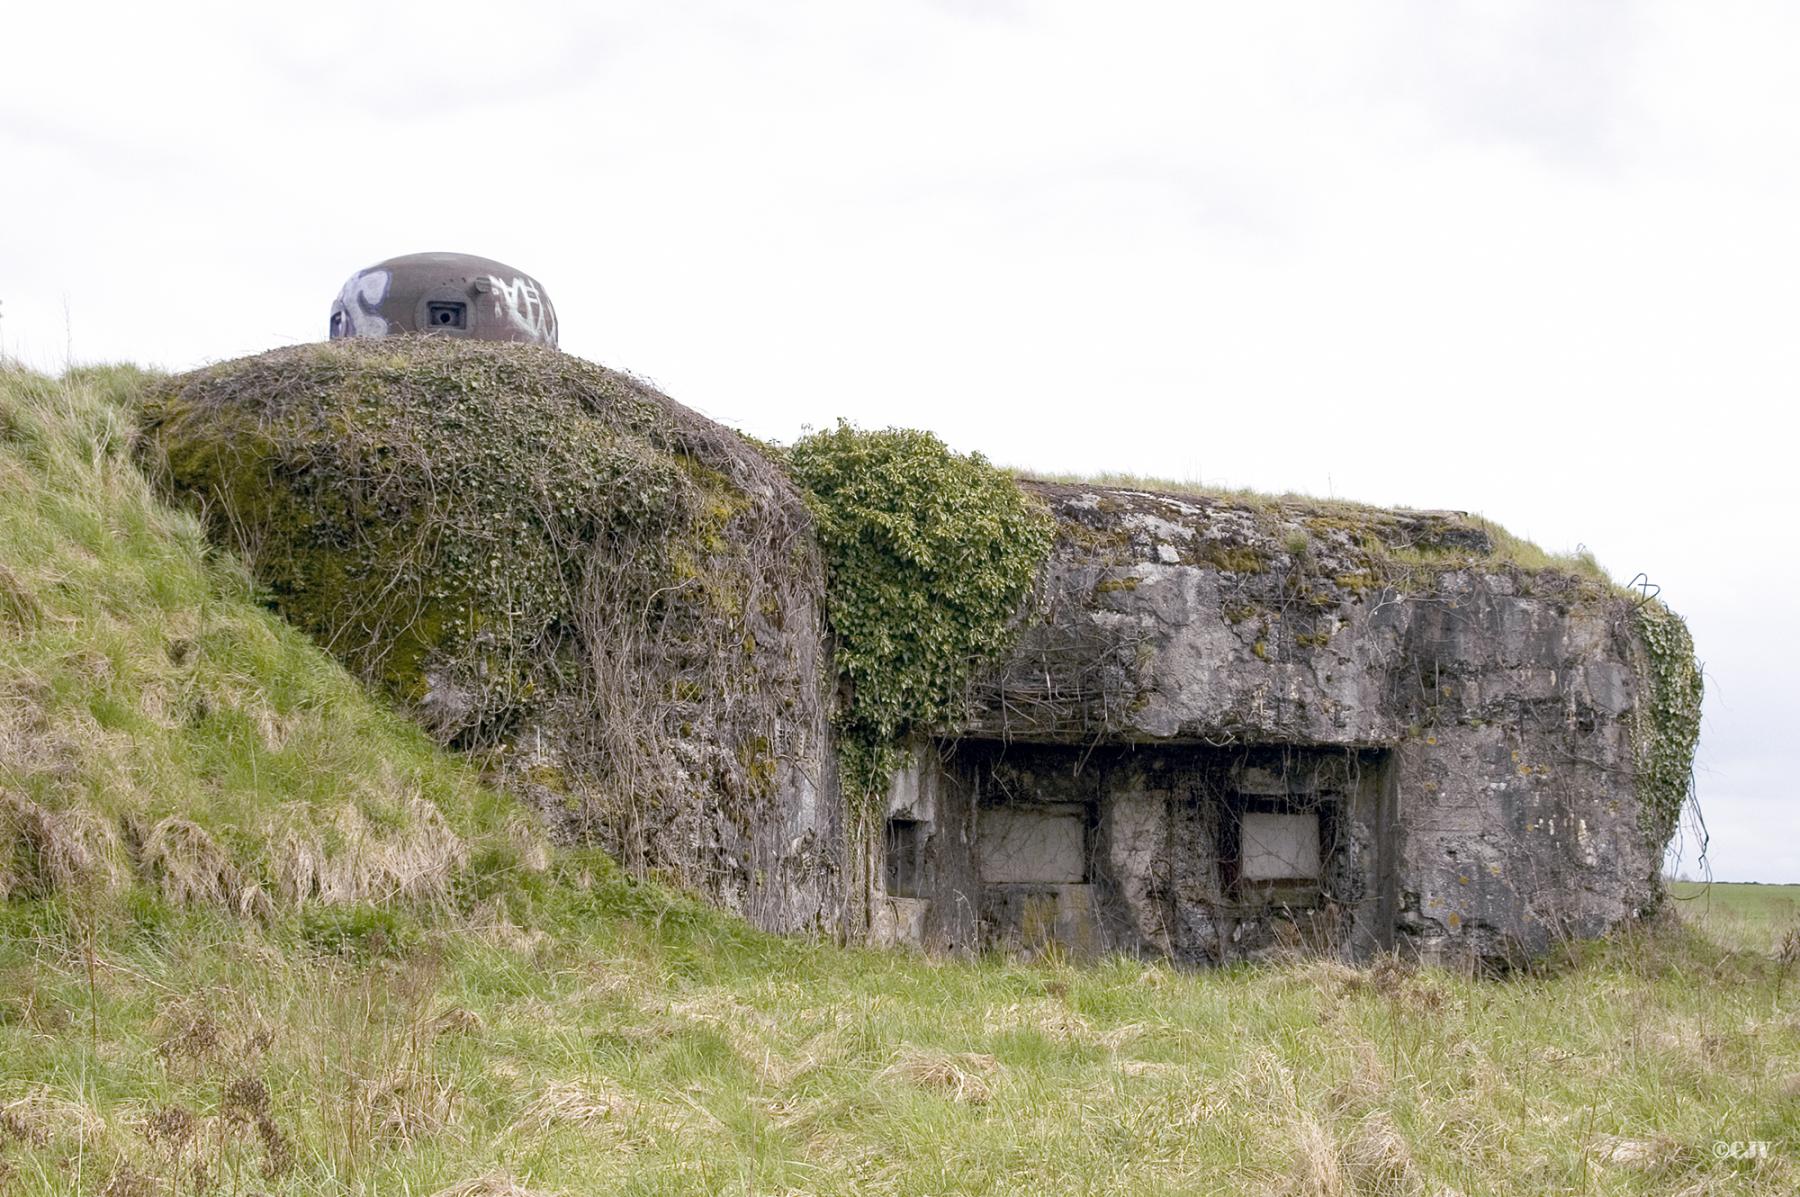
(1195, 660)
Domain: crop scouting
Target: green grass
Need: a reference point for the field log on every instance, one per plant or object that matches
(155, 720)
(512, 1025)
(616, 1039)
(1754, 917)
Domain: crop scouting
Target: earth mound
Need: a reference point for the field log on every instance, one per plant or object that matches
(613, 599)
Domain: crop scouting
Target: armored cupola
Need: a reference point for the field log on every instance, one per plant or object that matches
(441, 294)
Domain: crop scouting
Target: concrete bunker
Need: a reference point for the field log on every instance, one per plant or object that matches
(1198, 853)
(1229, 728)
(1219, 724)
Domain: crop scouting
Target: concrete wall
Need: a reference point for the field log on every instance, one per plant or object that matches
(1140, 849)
(1460, 732)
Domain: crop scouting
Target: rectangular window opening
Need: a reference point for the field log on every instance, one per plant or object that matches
(905, 875)
(1279, 846)
(1033, 846)
(1279, 820)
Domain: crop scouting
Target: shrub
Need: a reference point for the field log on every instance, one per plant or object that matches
(929, 554)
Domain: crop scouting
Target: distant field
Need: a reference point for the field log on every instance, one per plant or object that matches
(1753, 917)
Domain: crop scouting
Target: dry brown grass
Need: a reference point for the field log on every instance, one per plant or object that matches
(1620, 1151)
(568, 1104)
(1369, 1157)
(351, 861)
(494, 1184)
(44, 852)
(1378, 1158)
(408, 1104)
(19, 608)
(189, 867)
(960, 1076)
(457, 1021)
(41, 1115)
(1046, 1016)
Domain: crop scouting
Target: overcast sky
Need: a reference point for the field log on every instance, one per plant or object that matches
(1539, 261)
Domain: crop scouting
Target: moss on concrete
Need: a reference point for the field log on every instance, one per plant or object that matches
(542, 558)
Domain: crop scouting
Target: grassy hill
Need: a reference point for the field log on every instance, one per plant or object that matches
(258, 936)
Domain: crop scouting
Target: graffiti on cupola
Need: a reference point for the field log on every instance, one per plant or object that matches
(443, 294)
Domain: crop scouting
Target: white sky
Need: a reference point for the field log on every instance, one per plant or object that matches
(1535, 260)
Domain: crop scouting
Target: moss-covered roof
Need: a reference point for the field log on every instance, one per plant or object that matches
(419, 499)
(1118, 517)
